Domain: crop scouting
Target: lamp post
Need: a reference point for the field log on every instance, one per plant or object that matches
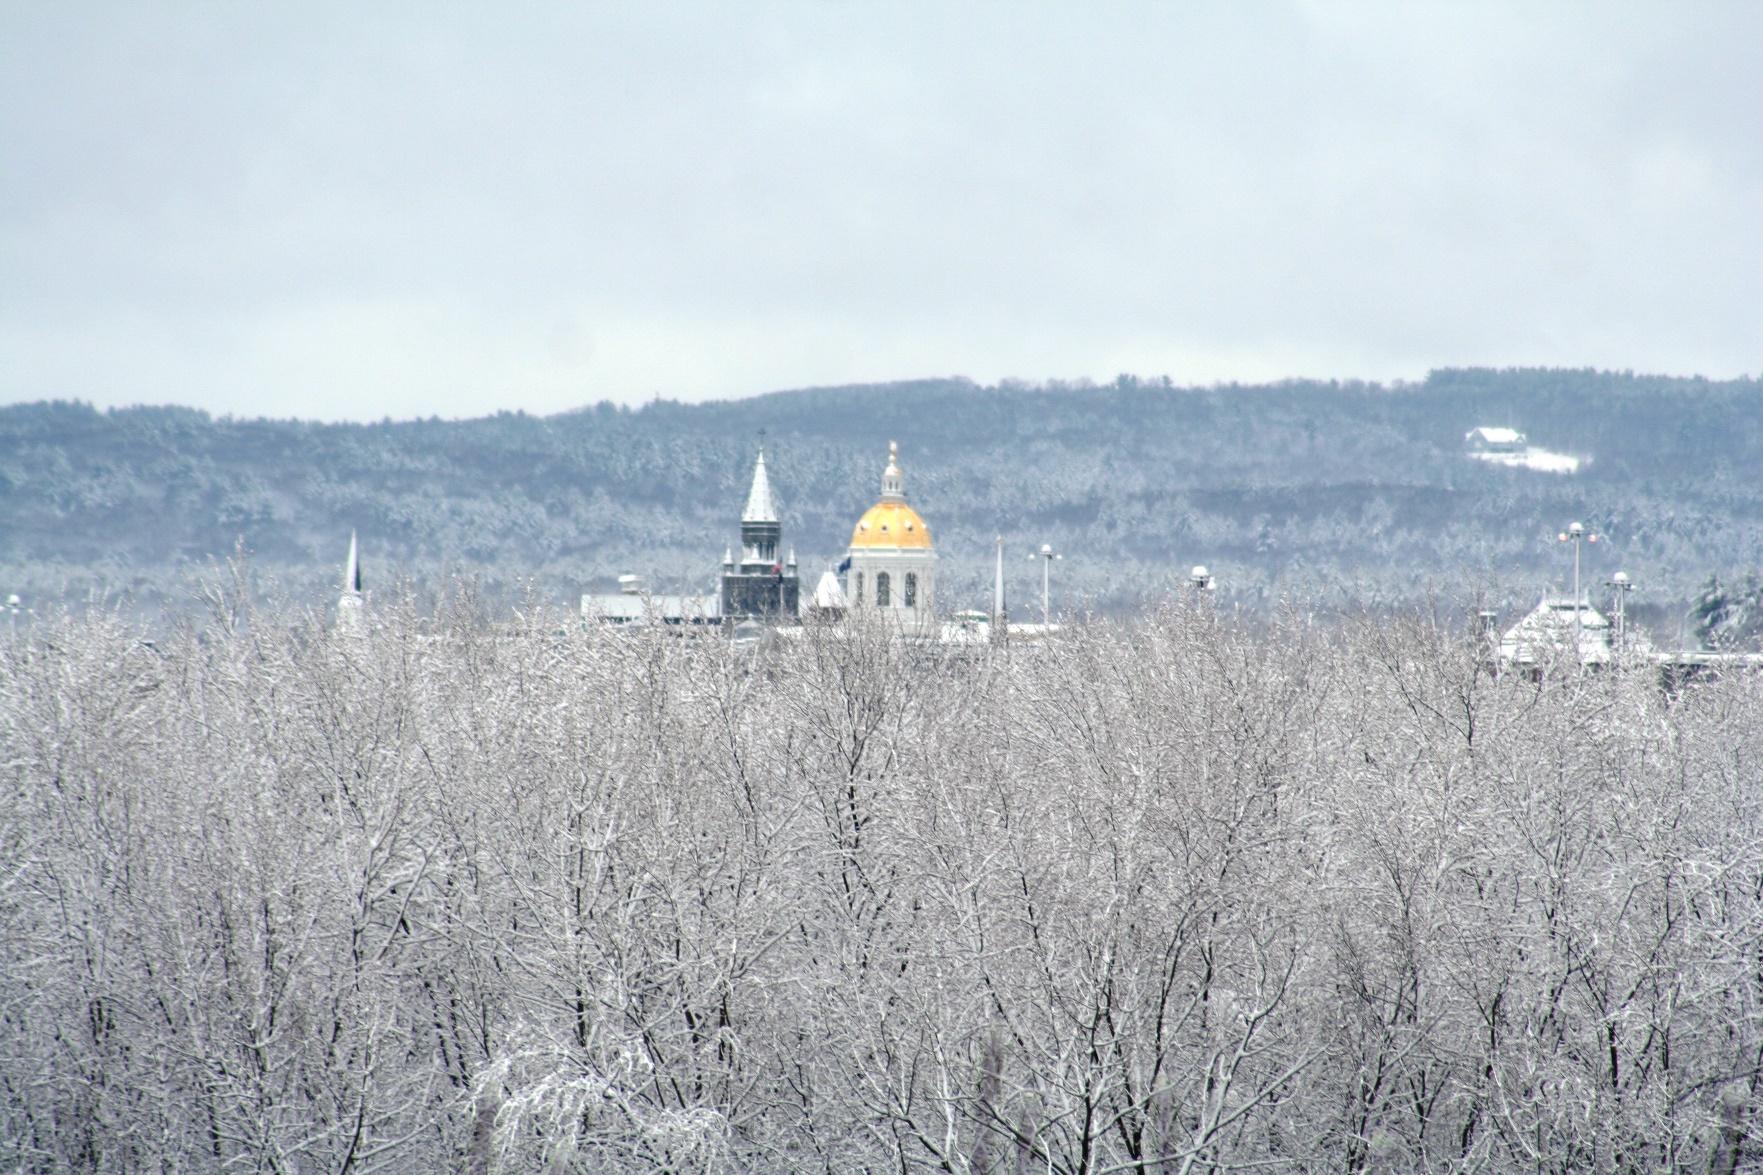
(1046, 555)
(1621, 585)
(12, 608)
(1576, 533)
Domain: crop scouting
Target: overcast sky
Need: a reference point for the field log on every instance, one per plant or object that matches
(379, 209)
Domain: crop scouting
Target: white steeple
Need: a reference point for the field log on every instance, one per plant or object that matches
(760, 507)
(352, 569)
(349, 604)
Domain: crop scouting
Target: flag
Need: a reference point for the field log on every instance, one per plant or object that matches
(844, 567)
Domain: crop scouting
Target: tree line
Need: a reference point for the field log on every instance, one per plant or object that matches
(1361, 489)
(1189, 893)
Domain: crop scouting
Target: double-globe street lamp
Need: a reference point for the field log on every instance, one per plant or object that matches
(1576, 533)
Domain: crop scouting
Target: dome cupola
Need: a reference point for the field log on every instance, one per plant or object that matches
(892, 561)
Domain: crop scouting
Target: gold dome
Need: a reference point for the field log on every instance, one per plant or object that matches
(891, 524)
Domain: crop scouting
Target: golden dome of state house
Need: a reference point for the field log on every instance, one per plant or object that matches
(892, 561)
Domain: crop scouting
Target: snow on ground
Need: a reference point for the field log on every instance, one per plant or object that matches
(1533, 458)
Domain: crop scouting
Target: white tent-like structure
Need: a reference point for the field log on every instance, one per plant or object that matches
(1547, 633)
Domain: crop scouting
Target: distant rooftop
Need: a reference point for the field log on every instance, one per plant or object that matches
(628, 608)
(1546, 633)
(1494, 436)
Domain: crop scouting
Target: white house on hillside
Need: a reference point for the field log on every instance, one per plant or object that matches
(1494, 440)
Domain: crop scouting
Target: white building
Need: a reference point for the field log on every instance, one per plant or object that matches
(634, 604)
(1546, 636)
(1494, 440)
(891, 563)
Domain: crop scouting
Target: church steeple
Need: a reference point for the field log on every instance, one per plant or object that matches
(352, 569)
(760, 531)
(762, 584)
(760, 507)
(349, 604)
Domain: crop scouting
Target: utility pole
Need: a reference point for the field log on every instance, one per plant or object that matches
(1000, 609)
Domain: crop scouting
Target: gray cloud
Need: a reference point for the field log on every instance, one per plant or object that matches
(347, 212)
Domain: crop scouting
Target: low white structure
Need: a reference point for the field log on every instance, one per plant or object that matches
(1547, 635)
(632, 604)
(828, 600)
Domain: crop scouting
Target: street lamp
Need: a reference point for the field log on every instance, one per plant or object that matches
(1621, 585)
(1046, 555)
(1575, 534)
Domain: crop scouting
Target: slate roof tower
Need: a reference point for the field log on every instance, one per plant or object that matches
(761, 586)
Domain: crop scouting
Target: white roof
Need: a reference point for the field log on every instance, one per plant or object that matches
(1496, 435)
(829, 592)
(1546, 633)
(760, 507)
(632, 606)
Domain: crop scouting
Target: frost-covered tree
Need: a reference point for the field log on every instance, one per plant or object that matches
(1191, 893)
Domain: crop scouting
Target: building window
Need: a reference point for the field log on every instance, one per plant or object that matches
(857, 596)
(911, 599)
(881, 589)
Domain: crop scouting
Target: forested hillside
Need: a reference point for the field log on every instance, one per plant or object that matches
(1179, 893)
(1359, 487)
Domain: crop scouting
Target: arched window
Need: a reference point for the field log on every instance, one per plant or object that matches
(911, 600)
(881, 589)
(857, 596)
